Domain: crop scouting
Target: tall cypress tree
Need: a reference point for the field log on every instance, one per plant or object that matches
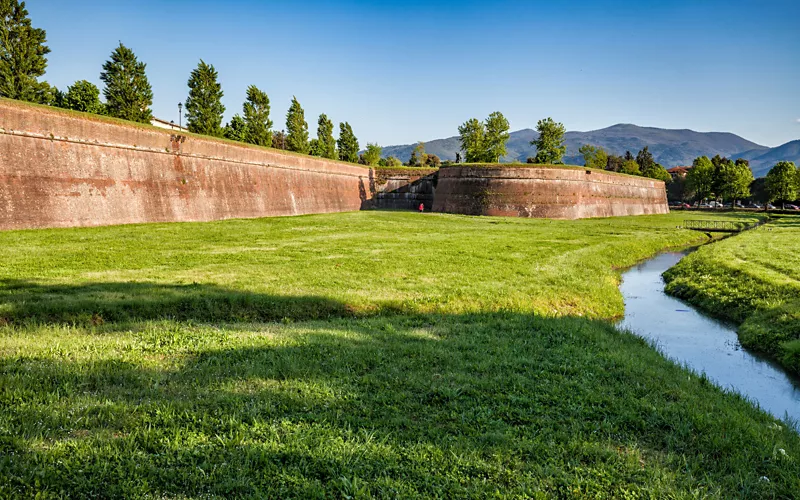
(128, 93)
(204, 107)
(348, 144)
(325, 142)
(256, 117)
(296, 128)
(22, 54)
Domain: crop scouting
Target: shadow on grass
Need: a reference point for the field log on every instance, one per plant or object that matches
(93, 304)
(396, 406)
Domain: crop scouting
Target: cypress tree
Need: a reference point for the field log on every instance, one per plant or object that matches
(256, 116)
(22, 55)
(204, 107)
(128, 93)
(236, 129)
(348, 144)
(296, 128)
(326, 144)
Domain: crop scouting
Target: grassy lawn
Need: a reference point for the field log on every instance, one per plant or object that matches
(753, 280)
(358, 355)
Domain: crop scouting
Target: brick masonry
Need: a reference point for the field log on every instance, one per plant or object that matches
(61, 169)
(558, 193)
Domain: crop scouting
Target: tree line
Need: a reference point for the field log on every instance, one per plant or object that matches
(129, 96)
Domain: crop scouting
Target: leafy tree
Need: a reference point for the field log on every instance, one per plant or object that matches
(82, 96)
(495, 137)
(204, 107)
(594, 157)
(373, 154)
(472, 138)
(279, 140)
(314, 148)
(782, 182)
(22, 55)
(296, 128)
(646, 161)
(433, 161)
(256, 117)
(128, 93)
(700, 178)
(236, 129)
(615, 163)
(630, 167)
(418, 155)
(393, 162)
(628, 156)
(348, 144)
(734, 181)
(326, 144)
(550, 148)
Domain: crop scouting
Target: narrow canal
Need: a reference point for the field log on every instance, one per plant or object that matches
(702, 343)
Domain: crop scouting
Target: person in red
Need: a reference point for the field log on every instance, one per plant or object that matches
(421, 207)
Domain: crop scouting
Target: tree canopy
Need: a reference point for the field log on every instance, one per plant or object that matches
(550, 147)
(783, 182)
(471, 138)
(235, 129)
(258, 126)
(22, 55)
(348, 144)
(594, 157)
(204, 108)
(700, 178)
(734, 180)
(326, 144)
(373, 154)
(127, 91)
(83, 96)
(484, 142)
(296, 128)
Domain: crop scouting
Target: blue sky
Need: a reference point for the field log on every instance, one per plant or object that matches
(406, 71)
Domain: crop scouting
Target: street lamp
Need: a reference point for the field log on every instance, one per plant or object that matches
(180, 115)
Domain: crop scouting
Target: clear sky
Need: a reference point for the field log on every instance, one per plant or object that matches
(406, 71)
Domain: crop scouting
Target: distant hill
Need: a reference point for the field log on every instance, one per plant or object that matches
(761, 160)
(669, 147)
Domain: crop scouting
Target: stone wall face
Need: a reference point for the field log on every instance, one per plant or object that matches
(61, 170)
(402, 189)
(558, 193)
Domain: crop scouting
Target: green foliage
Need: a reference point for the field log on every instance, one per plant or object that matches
(314, 148)
(256, 117)
(127, 91)
(433, 161)
(391, 161)
(296, 128)
(347, 143)
(700, 178)
(734, 180)
(630, 167)
(614, 163)
(279, 139)
(782, 182)
(752, 279)
(594, 157)
(550, 147)
(649, 167)
(418, 155)
(204, 108)
(373, 154)
(484, 142)
(22, 55)
(236, 129)
(471, 138)
(495, 137)
(83, 96)
(326, 144)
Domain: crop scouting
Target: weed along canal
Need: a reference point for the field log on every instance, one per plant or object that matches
(702, 343)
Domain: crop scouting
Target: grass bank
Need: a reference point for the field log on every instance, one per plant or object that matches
(752, 279)
(448, 358)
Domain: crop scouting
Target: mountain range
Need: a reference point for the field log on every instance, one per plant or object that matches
(670, 148)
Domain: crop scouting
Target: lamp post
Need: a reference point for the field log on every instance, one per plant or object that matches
(180, 115)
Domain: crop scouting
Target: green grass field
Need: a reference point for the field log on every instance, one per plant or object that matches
(358, 355)
(753, 280)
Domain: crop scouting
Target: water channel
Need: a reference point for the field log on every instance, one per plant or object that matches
(702, 343)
